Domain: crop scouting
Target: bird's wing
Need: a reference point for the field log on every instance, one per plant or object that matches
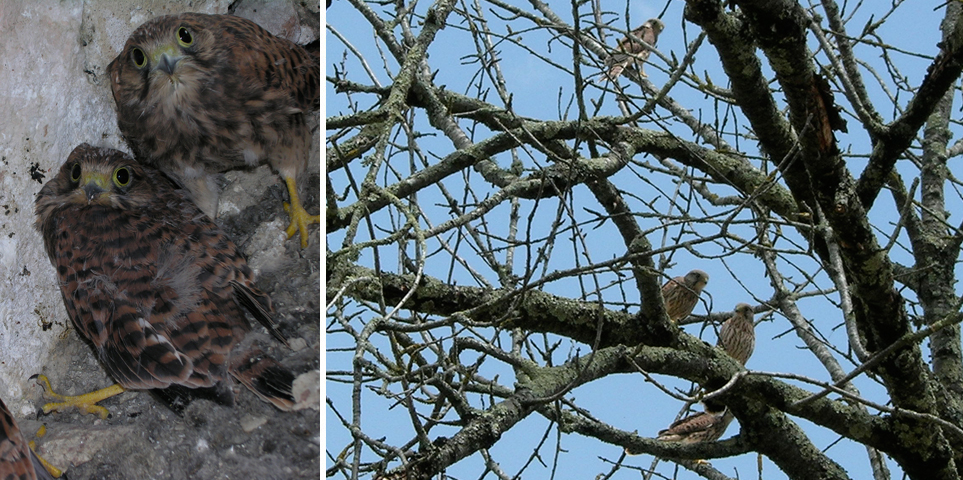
(259, 304)
(141, 294)
(265, 377)
(691, 424)
(276, 65)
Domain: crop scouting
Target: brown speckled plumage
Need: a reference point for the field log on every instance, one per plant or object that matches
(200, 93)
(699, 427)
(681, 294)
(737, 336)
(151, 281)
(17, 461)
(632, 53)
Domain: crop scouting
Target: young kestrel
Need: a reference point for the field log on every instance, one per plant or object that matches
(198, 94)
(17, 460)
(631, 51)
(153, 283)
(707, 426)
(681, 294)
(737, 336)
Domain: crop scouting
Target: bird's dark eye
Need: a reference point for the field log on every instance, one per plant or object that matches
(138, 57)
(75, 173)
(122, 177)
(184, 37)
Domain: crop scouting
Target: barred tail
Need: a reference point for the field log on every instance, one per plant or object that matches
(265, 377)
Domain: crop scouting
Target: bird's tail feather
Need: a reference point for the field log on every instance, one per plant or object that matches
(265, 377)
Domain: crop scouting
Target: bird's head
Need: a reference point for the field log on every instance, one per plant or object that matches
(165, 56)
(657, 25)
(98, 176)
(696, 280)
(170, 54)
(96, 185)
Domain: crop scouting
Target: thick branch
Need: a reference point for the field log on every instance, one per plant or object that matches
(940, 76)
(736, 50)
(781, 27)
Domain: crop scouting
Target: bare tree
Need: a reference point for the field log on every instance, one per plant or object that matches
(501, 217)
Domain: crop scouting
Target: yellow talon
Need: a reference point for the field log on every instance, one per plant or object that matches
(54, 471)
(86, 402)
(300, 218)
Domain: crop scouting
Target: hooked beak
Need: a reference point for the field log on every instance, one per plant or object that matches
(93, 186)
(167, 63)
(91, 191)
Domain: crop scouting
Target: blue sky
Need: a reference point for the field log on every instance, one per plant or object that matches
(543, 91)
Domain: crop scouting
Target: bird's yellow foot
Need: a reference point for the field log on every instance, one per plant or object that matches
(86, 402)
(56, 472)
(300, 218)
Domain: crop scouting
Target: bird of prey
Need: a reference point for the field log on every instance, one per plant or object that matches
(707, 426)
(737, 338)
(632, 52)
(154, 285)
(200, 94)
(17, 460)
(681, 294)
(737, 335)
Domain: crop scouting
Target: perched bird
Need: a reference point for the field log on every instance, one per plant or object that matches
(681, 294)
(737, 336)
(198, 94)
(631, 51)
(707, 426)
(154, 284)
(17, 460)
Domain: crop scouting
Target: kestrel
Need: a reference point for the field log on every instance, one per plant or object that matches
(17, 460)
(701, 427)
(737, 336)
(632, 52)
(681, 294)
(154, 285)
(199, 94)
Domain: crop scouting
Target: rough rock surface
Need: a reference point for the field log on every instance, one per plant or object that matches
(53, 96)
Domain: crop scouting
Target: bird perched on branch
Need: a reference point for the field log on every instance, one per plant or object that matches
(632, 52)
(707, 426)
(737, 336)
(681, 294)
(154, 284)
(200, 94)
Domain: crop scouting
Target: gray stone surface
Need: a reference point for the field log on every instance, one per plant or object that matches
(54, 95)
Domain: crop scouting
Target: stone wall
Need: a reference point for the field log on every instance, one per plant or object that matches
(54, 94)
